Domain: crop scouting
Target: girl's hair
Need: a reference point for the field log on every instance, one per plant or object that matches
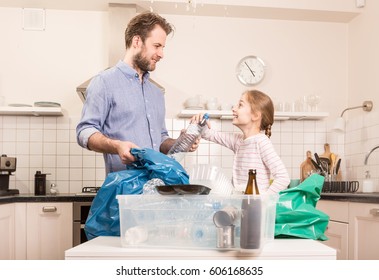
(261, 102)
(143, 24)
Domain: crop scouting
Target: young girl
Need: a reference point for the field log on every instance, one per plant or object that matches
(253, 149)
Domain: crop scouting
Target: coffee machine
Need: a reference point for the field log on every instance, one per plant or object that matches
(7, 166)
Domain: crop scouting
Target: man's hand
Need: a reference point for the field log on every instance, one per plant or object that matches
(123, 150)
(195, 145)
(102, 144)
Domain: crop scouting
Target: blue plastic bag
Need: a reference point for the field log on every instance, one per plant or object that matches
(103, 218)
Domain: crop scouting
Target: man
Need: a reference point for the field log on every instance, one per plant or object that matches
(123, 109)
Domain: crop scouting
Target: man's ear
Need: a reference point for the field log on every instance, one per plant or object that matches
(136, 42)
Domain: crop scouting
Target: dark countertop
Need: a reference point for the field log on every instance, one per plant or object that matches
(67, 197)
(64, 197)
(352, 197)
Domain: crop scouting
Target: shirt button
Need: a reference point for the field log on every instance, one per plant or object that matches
(148, 115)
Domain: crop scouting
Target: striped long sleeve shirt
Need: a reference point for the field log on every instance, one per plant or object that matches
(255, 152)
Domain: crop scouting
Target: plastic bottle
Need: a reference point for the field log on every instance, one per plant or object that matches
(185, 141)
(150, 186)
(251, 215)
(204, 234)
(368, 184)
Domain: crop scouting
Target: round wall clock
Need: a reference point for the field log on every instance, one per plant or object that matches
(250, 70)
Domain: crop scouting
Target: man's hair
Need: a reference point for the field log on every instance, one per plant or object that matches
(142, 24)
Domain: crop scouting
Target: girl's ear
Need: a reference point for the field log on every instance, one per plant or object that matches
(256, 116)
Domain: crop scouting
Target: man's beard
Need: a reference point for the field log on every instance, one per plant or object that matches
(143, 63)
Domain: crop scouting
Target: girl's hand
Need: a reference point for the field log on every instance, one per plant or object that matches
(197, 118)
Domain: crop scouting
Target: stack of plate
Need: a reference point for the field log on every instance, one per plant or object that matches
(46, 104)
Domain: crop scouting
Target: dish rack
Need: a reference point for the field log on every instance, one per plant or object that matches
(340, 187)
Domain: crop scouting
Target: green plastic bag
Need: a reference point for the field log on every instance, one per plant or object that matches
(296, 213)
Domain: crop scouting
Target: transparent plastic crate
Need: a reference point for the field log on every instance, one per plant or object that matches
(186, 221)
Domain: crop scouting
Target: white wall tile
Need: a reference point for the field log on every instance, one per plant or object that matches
(36, 161)
(22, 162)
(89, 174)
(203, 150)
(63, 174)
(49, 148)
(100, 175)
(36, 148)
(10, 135)
(63, 148)
(89, 161)
(9, 122)
(75, 149)
(178, 124)
(76, 161)
(63, 161)
(49, 135)
(63, 123)
(23, 122)
(76, 174)
(49, 123)
(49, 162)
(36, 135)
(9, 148)
(36, 123)
(22, 148)
(23, 135)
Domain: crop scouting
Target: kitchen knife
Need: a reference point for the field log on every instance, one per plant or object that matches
(323, 172)
(316, 165)
(338, 165)
(317, 159)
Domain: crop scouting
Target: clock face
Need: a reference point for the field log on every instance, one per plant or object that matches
(250, 70)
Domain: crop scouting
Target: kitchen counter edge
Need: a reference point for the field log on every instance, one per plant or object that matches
(46, 198)
(350, 197)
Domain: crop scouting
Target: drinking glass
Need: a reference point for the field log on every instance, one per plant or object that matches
(313, 100)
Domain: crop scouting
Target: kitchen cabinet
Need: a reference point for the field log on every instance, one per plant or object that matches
(7, 232)
(363, 231)
(280, 116)
(338, 227)
(49, 230)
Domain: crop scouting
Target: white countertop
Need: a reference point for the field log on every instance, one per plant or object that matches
(107, 247)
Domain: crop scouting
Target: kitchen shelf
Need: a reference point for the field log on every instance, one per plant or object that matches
(279, 116)
(31, 111)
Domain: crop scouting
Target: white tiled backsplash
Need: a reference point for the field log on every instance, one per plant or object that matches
(49, 144)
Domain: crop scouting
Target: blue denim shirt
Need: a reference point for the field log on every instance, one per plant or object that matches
(120, 107)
